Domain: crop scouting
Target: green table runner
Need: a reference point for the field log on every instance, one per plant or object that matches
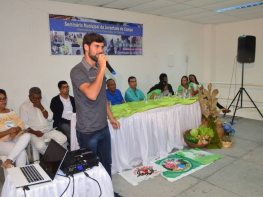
(127, 109)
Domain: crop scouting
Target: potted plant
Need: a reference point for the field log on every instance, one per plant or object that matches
(229, 132)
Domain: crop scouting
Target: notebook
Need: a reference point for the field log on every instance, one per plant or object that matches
(45, 171)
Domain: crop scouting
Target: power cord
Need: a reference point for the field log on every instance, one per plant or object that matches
(234, 68)
(235, 82)
(24, 191)
(73, 184)
(67, 185)
(25, 188)
(87, 175)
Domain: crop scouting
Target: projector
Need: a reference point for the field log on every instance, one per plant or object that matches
(78, 161)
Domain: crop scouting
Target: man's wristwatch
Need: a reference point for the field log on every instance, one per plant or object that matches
(43, 110)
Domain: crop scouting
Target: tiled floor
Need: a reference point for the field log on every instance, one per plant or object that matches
(239, 173)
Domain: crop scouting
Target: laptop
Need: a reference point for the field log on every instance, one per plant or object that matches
(45, 171)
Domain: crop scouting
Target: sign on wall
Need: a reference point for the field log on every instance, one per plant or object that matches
(67, 33)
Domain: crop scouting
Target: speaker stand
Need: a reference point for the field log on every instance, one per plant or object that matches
(239, 95)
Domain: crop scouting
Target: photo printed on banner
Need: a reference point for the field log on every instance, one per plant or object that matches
(67, 33)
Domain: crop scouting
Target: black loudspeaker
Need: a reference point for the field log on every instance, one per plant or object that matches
(246, 49)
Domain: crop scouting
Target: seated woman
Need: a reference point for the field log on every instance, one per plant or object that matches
(184, 84)
(10, 124)
(194, 83)
(157, 90)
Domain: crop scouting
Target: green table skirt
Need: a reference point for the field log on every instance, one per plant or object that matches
(128, 109)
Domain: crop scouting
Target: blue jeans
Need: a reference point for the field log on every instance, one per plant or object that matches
(65, 129)
(100, 143)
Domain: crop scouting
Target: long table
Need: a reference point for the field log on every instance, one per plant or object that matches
(148, 135)
(83, 186)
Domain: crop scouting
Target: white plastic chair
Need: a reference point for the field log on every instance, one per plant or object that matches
(74, 142)
(3, 159)
(32, 153)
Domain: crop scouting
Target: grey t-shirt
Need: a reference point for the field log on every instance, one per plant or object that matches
(91, 115)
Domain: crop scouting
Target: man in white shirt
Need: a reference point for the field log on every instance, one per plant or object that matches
(63, 106)
(37, 117)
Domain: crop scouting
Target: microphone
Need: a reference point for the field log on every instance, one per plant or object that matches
(110, 68)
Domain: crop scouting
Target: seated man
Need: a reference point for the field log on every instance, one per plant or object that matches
(114, 95)
(163, 78)
(36, 116)
(62, 107)
(133, 93)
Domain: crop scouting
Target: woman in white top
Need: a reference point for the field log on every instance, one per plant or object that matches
(10, 124)
(194, 83)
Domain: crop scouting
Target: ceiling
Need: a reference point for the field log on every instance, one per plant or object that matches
(199, 11)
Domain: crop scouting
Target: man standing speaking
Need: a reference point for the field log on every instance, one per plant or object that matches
(89, 86)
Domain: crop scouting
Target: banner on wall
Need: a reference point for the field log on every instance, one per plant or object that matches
(67, 33)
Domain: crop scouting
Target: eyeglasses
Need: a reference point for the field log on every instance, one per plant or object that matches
(3, 99)
(65, 87)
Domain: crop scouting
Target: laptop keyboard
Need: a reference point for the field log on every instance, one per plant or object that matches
(31, 173)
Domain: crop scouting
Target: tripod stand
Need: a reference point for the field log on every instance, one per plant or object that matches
(240, 95)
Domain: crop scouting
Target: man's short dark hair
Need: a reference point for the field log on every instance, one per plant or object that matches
(90, 38)
(61, 83)
(108, 81)
(34, 90)
(131, 77)
(3, 92)
(162, 76)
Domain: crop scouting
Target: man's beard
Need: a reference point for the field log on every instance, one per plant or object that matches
(93, 57)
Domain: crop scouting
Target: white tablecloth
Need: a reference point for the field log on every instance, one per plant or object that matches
(83, 186)
(149, 135)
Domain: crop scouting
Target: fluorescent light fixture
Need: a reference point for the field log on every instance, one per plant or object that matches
(240, 7)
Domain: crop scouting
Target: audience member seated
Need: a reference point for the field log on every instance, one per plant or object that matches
(194, 83)
(114, 95)
(163, 78)
(184, 84)
(133, 93)
(10, 124)
(62, 106)
(157, 90)
(37, 116)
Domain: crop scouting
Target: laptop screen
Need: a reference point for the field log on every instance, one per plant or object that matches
(53, 158)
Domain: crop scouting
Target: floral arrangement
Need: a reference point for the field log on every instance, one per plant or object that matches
(228, 132)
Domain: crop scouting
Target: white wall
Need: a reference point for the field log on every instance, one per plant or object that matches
(220, 51)
(25, 59)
